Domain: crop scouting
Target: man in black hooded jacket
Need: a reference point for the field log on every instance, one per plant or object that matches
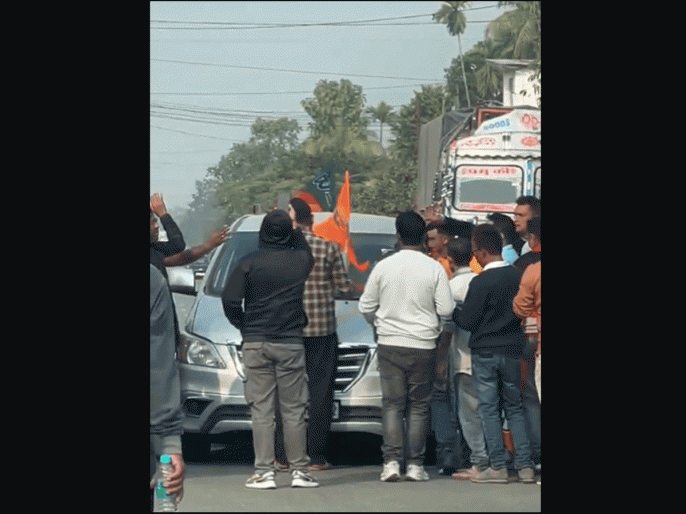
(271, 280)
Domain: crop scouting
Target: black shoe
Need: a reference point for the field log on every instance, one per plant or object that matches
(447, 471)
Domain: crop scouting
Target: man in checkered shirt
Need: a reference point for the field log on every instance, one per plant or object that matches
(319, 336)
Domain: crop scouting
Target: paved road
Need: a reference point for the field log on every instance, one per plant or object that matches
(219, 487)
(353, 485)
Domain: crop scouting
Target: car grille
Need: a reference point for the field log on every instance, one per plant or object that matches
(352, 361)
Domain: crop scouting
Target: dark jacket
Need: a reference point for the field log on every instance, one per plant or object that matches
(487, 312)
(161, 249)
(271, 280)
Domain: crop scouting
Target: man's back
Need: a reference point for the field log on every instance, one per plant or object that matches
(407, 291)
(327, 276)
(271, 280)
(487, 310)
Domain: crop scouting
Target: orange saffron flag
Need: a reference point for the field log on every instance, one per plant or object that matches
(335, 227)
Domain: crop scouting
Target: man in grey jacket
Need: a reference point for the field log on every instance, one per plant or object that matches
(165, 389)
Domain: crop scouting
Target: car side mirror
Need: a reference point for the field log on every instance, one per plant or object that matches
(182, 280)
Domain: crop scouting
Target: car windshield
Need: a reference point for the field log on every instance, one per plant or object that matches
(368, 248)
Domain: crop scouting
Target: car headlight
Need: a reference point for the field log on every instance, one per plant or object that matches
(237, 358)
(199, 352)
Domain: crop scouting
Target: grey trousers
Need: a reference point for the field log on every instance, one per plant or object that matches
(406, 384)
(270, 367)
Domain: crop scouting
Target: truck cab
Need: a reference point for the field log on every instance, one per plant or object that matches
(486, 171)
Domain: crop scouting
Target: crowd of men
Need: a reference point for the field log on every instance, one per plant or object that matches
(455, 349)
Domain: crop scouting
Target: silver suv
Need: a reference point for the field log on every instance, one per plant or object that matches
(209, 356)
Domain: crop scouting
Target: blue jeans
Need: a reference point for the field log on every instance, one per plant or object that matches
(445, 427)
(497, 379)
(406, 384)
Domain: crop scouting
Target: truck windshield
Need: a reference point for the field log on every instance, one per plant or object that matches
(487, 187)
(486, 191)
(368, 248)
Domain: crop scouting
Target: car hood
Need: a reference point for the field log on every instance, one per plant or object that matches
(207, 320)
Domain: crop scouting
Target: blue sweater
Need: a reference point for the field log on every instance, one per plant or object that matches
(487, 311)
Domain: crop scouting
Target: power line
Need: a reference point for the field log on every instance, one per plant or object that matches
(171, 93)
(250, 25)
(237, 114)
(195, 119)
(351, 25)
(324, 24)
(189, 151)
(183, 163)
(278, 92)
(195, 134)
(260, 25)
(287, 71)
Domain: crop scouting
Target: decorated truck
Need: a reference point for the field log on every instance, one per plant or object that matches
(486, 169)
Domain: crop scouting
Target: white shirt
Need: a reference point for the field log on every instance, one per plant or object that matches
(459, 354)
(406, 295)
(494, 264)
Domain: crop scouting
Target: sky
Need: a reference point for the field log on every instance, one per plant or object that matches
(229, 59)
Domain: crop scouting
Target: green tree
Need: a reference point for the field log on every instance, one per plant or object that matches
(519, 30)
(202, 217)
(451, 14)
(485, 82)
(248, 174)
(335, 104)
(382, 113)
(391, 186)
(519, 33)
(427, 104)
(338, 132)
(390, 191)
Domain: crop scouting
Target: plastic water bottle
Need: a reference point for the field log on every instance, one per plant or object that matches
(164, 502)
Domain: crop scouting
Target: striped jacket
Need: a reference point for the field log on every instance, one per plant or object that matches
(327, 277)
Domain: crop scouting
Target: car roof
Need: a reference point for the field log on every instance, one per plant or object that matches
(358, 224)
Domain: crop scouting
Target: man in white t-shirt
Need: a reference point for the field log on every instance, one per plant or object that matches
(405, 297)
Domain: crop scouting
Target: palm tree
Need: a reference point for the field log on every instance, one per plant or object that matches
(382, 113)
(489, 80)
(451, 14)
(519, 33)
(518, 30)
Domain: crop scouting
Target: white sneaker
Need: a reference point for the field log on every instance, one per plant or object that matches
(390, 472)
(416, 473)
(302, 479)
(261, 481)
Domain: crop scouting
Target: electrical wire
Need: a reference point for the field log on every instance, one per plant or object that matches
(250, 25)
(258, 25)
(195, 134)
(286, 70)
(277, 92)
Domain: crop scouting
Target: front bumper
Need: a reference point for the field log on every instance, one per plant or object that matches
(213, 400)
